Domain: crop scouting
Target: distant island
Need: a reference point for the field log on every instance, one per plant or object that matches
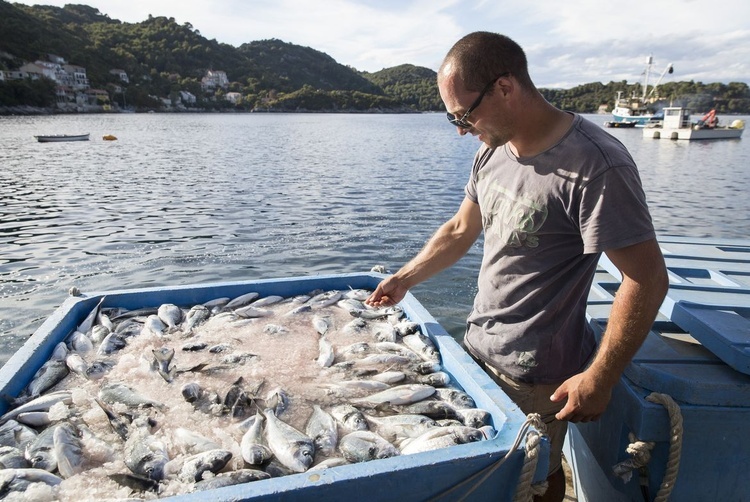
(75, 59)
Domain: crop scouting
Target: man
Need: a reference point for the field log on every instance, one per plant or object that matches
(551, 191)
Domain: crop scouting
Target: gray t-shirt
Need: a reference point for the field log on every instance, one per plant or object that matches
(546, 221)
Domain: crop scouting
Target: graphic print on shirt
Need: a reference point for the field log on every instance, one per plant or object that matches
(513, 218)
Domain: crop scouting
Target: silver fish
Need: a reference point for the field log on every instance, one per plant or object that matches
(18, 480)
(80, 342)
(441, 437)
(437, 379)
(251, 312)
(49, 375)
(97, 369)
(432, 408)
(41, 403)
(455, 397)
(68, 450)
(325, 299)
(385, 332)
(153, 326)
(278, 400)
(474, 417)
(195, 317)
(299, 310)
(241, 301)
(254, 452)
(399, 349)
(275, 329)
(321, 324)
(356, 326)
(357, 294)
(121, 393)
(90, 319)
(145, 454)
(12, 458)
(328, 463)
(112, 343)
(398, 427)
(197, 465)
(99, 333)
(16, 435)
(350, 418)
(268, 300)
(35, 418)
(362, 446)
(103, 319)
(41, 452)
(326, 354)
(322, 428)
(423, 346)
(171, 315)
(389, 377)
(192, 442)
(405, 328)
(401, 394)
(76, 364)
(162, 359)
(230, 479)
(292, 448)
(216, 302)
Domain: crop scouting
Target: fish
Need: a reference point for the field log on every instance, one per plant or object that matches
(278, 400)
(455, 397)
(251, 312)
(171, 315)
(17, 435)
(162, 359)
(232, 478)
(80, 343)
(121, 393)
(326, 354)
(437, 379)
(35, 419)
(216, 302)
(291, 448)
(12, 458)
(325, 299)
(41, 451)
(328, 463)
(153, 326)
(389, 377)
(397, 427)
(322, 428)
(191, 392)
(41, 403)
(196, 316)
(405, 328)
(119, 423)
(474, 417)
(97, 369)
(241, 301)
(441, 437)
(423, 346)
(191, 442)
(99, 333)
(385, 332)
(134, 482)
(401, 394)
(254, 452)
(49, 375)
(363, 446)
(432, 408)
(77, 364)
(267, 301)
(112, 343)
(355, 327)
(90, 319)
(197, 465)
(68, 450)
(350, 418)
(275, 329)
(321, 324)
(145, 454)
(18, 480)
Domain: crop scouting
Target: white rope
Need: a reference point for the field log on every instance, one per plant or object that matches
(532, 456)
(640, 451)
(675, 444)
(526, 490)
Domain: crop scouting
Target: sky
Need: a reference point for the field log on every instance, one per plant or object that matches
(567, 43)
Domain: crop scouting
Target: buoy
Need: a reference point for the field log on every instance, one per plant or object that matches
(109, 137)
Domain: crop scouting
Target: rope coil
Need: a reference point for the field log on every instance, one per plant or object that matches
(640, 451)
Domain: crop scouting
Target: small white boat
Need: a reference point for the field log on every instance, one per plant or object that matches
(677, 125)
(53, 138)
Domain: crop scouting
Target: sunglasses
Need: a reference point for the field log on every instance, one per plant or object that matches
(462, 121)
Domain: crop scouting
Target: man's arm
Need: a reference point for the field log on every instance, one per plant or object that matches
(644, 285)
(452, 240)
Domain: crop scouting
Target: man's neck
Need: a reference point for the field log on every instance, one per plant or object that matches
(541, 128)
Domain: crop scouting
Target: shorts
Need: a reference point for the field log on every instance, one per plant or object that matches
(534, 398)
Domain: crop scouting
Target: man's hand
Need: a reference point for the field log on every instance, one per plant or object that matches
(587, 398)
(389, 292)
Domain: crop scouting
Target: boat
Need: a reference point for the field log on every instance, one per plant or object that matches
(54, 138)
(677, 425)
(640, 108)
(621, 124)
(677, 125)
(475, 471)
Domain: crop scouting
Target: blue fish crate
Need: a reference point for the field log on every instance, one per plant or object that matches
(697, 353)
(475, 471)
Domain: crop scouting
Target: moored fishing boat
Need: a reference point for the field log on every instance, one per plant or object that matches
(640, 109)
(677, 125)
(55, 138)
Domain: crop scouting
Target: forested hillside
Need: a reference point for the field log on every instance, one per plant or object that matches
(164, 59)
